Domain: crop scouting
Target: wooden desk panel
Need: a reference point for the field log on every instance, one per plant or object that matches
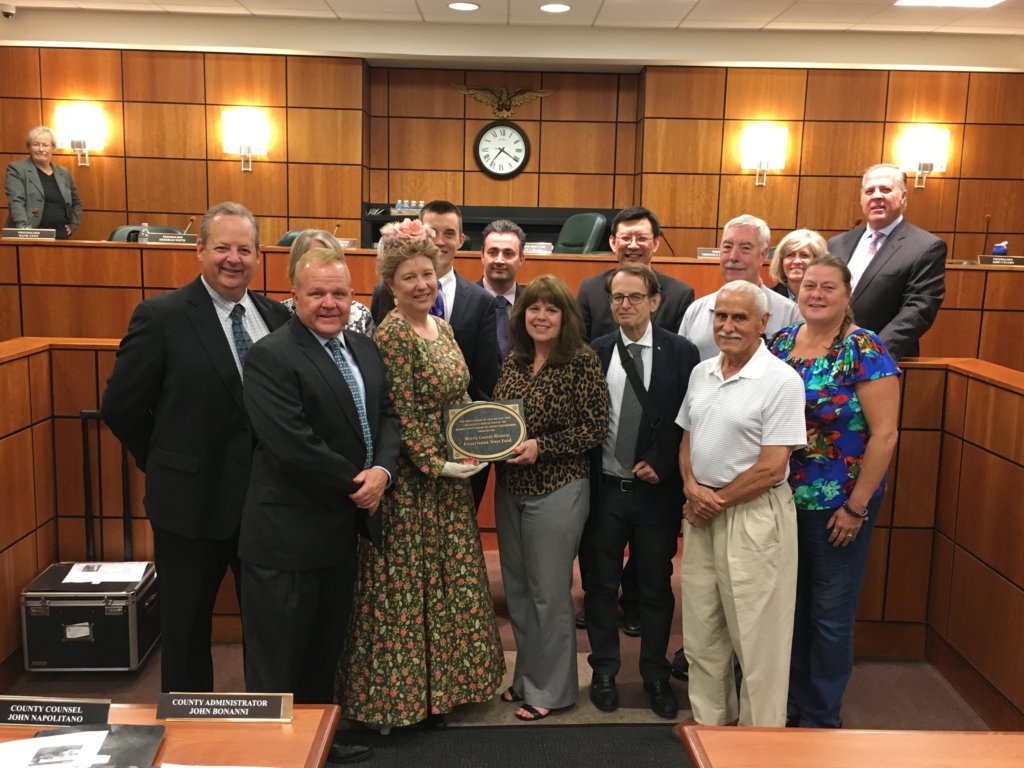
(90, 312)
(813, 748)
(65, 266)
(302, 743)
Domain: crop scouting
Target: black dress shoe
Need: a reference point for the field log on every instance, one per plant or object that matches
(603, 692)
(663, 700)
(631, 625)
(342, 754)
(680, 666)
(581, 620)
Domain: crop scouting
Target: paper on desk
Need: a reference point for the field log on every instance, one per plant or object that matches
(68, 750)
(96, 573)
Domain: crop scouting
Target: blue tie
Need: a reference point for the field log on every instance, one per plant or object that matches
(438, 309)
(334, 347)
(243, 342)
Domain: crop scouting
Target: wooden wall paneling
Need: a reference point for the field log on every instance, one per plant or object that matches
(566, 190)
(965, 289)
(74, 311)
(43, 478)
(97, 225)
(380, 79)
(424, 93)
(579, 97)
(74, 381)
(467, 141)
(67, 442)
(164, 130)
(775, 203)
(733, 130)
(927, 97)
(475, 110)
(628, 110)
(264, 191)
(168, 76)
(889, 639)
(378, 154)
(948, 498)
(325, 136)
(846, 94)
(1004, 290)
(986, 613)
(521, 191)
(431, 144)
(872, 591)
(955, 333)
(325, 81)
(906, 593)
(40, 387)
(939, 584)
(80, 74)
(625, 148)
(684, 92)
(114, 144)
(999, 334)
(19, 72)
(276, 266)
(625, 191)
(379, 187)
(685, 243)
(17, 491)
(840, 149)
(46, 545)
(993, 419)
(894, 132)
(765, 94)
(985, 152)
(682, 201)
(996, 97)
(17, 569)
(916, 479)
(682, 146)
(245, 79)
(277, 150)
(984, 525)
(17, 116)
(10, 312)
(1002, 200)
(326, 191)
(166, 185)
(561, 145)
(922, 390)
(955, 409)
(271, 230)
(8, 264)
(14, 394)
(101, 187)
(66, 266)
(425, 185)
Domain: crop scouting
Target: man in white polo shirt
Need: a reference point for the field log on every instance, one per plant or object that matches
(742, 416)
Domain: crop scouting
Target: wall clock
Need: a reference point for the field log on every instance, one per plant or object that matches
(502, 149)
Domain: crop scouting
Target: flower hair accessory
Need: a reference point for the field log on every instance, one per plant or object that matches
(405, 231)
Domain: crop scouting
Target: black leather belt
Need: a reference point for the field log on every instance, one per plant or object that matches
(621, 483)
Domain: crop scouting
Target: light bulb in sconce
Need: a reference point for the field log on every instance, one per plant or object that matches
(246, 132)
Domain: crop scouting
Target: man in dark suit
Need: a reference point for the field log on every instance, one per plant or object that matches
(636, 493)
(328, 443)
(899, 270)
(174, 399)
(635, 238)
(502, 256)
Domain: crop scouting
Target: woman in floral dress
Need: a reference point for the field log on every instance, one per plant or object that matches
(423, 637)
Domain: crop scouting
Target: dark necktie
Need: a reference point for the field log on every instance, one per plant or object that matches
(501, 318)
(629, 416)
(438, 309)
(334, 347)
(243, 342)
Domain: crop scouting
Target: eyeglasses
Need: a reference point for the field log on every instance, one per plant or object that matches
(632, 298)
(639, 239)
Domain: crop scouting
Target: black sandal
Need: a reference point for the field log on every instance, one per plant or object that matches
(509, 696)
(534, 714)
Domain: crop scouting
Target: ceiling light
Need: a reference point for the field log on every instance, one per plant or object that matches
(950, 3)
(555, 8)
(464, 6)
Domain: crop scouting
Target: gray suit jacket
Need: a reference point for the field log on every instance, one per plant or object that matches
(25, 195)
(595, 304)
(901, 290)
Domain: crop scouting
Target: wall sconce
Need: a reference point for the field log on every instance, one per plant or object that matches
(763, 149)
(246, 132)
(923, 149)
(80, 126)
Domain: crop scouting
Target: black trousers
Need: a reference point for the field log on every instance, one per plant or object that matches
(295, 623)
(612, 524)
(190, 573)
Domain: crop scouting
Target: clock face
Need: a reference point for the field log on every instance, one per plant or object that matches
(502, 149)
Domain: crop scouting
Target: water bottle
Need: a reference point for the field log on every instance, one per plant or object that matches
(144, 233)
(398, 206)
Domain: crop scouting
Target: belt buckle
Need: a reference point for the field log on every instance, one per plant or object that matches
(625, 486)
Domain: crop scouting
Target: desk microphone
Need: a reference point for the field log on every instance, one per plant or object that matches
(189, 225)
(336, 228)
(669, 244)
(988, 224)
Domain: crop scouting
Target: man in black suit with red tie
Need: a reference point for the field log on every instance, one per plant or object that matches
(899, 270)
(174, 399)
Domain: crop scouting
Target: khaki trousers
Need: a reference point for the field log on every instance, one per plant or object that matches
(738, 594)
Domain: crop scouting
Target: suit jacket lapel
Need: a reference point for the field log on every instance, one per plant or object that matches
(32, 175)
(325, 366)
(211, 337)
(893, 244)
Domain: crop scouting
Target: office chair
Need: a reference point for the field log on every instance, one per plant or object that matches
(288, 238)
(581, 233)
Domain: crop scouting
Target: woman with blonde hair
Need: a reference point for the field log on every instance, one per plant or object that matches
(792, 255)
(41, 194)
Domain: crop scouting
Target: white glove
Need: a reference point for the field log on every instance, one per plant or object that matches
(461, 471)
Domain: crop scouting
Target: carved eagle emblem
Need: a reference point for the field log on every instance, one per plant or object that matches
(502, 101)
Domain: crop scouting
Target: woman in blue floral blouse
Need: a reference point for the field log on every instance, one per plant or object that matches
(838, 482)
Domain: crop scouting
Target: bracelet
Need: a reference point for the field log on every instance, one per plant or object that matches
(860, 515)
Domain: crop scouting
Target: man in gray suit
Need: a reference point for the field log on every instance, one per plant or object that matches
(899, 270)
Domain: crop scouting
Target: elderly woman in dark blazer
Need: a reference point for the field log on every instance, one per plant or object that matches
(792, 255)
(39, 193)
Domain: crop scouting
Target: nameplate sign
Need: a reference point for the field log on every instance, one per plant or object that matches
(234, 707)
(486, 431)
(172, 238)
(709, 253)
(1001, 261)
(31, 710)
(347, 242)
(28, 233)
